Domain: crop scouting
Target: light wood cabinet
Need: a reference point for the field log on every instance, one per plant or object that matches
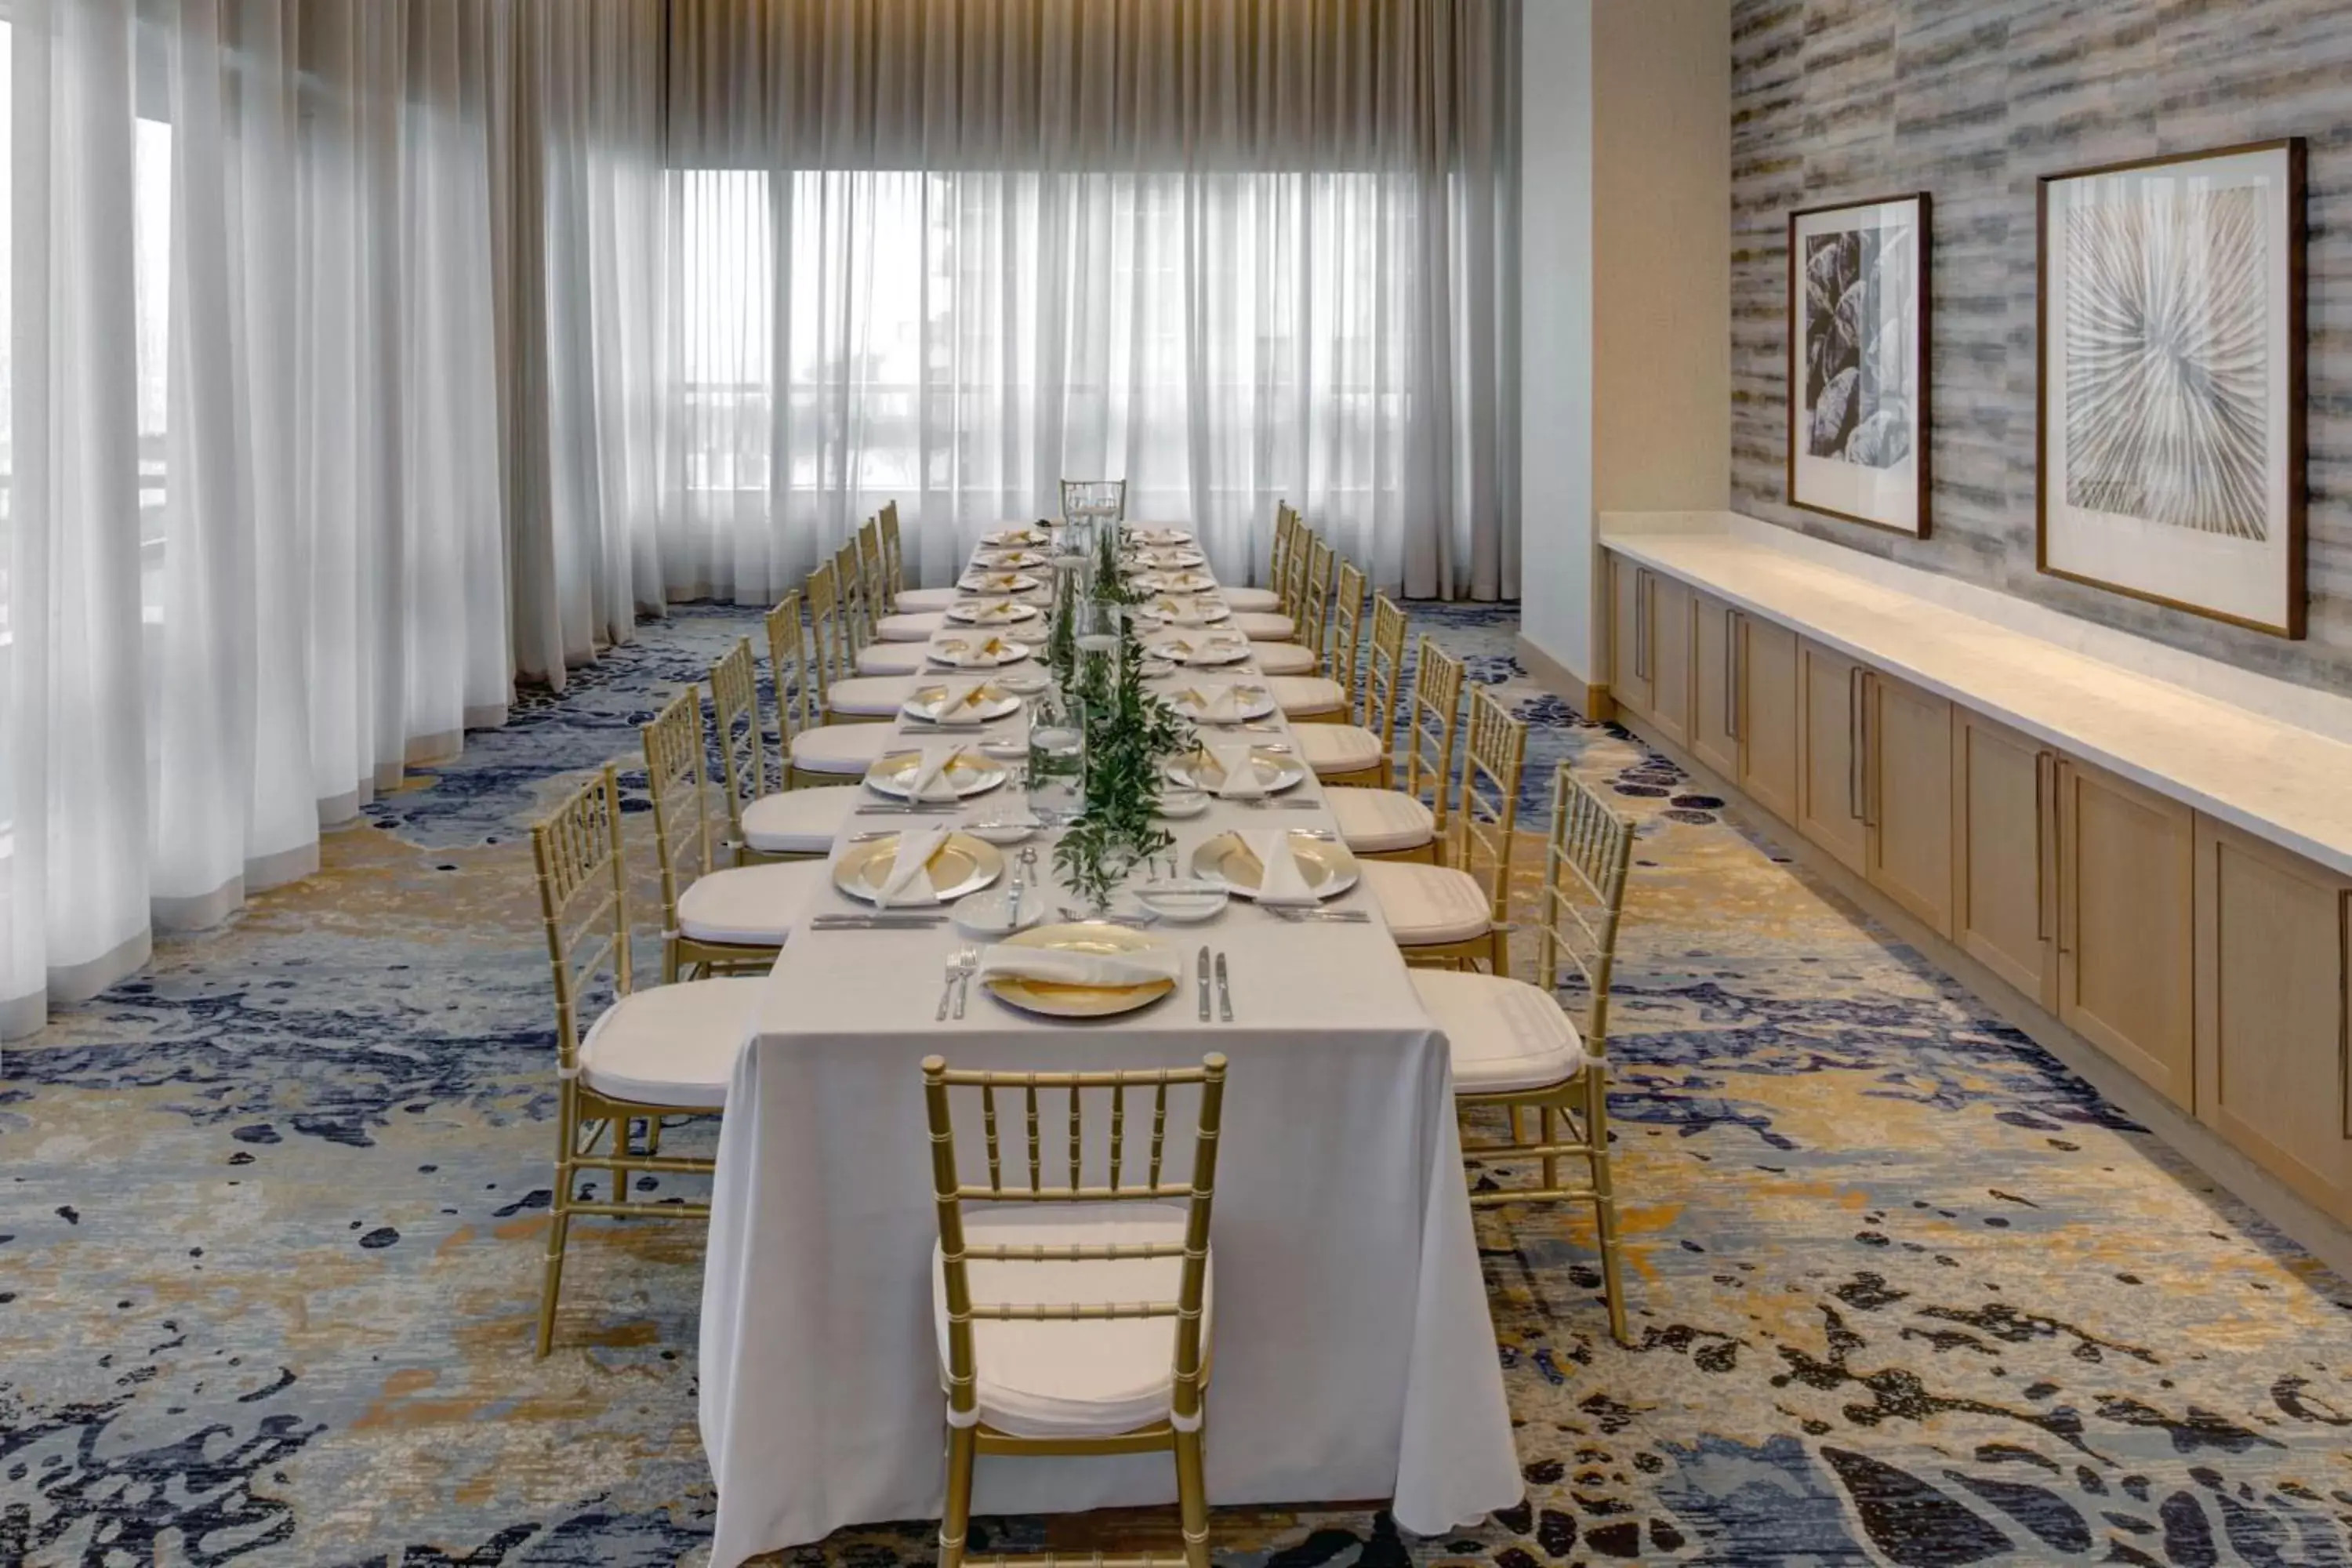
(2004, 795)
(1829, 764)
(1907, 797)
(1670, 658)
(1628, 635)
(2125, 900)
(1714, 685)
(2273, 981)
(1766, 666)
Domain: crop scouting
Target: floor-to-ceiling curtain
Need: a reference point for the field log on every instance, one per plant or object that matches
(947, 253)
(251, 537)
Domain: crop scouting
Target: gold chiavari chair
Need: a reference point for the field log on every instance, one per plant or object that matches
(1268, 597)
(1515, 1050)
(720, 921)
(1136, 1249)
(1301, 684)
(1357, 752)
(1267, 622)
(1396, 824)
(903, 598)
(664, 1052)
(824, 755)
(792, 824)
(844, 696)
(905, 626)
(1098, 497)
(1458, 913)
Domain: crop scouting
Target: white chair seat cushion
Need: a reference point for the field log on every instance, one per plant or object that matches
(1337, 748)
(841, 748)
(1283, 658)
(893, 658)
(749, 906)
(799, 821)
(1250, 601)
(910, 627)
(1305, 696)
(1072, 1379)
(672, 1045)
(1374, 821)
(1260, 627)
(922, 601)
(870, 695)
(1505, 1033)
(1428, 905)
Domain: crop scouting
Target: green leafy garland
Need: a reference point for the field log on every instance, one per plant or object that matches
(1131, 732)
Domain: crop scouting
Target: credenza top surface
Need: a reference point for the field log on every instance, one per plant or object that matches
(2281, 781)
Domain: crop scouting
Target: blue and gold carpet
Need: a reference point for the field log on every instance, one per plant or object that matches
(1905, 1292)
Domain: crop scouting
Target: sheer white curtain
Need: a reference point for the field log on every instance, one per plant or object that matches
(252, 556)
(1231, 250)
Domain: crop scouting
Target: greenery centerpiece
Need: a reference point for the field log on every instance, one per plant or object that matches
(1131, 731)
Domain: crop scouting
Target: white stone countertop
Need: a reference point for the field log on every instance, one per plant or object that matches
(2280, 782)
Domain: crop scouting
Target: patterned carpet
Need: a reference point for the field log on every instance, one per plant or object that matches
(1905, 1292)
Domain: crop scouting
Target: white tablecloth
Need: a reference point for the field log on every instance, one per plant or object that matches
(1354, 1354)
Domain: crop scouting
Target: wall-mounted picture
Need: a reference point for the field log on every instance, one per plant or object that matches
(1858, 361)
(2171, 439)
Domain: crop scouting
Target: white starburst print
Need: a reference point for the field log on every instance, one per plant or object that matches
(2168, 358)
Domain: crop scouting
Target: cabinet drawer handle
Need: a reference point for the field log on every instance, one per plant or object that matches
(2344, 1008)
(1642, 590)
(2041, 762)
(1731, 675)
(1854, 742)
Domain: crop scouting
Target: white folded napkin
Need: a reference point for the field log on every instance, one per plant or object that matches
(959, 708)
(1056, 966)
(1281, 882)
(909, 881)
(931, 782)
(1216, 705)
(1178, 612)
(1178, 648)
(1241, 780)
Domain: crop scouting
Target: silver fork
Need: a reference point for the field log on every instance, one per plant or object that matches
(967, 963)
(948, 985)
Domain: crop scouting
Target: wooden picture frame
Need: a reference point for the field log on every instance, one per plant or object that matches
(1860, 454)
(2170, 382)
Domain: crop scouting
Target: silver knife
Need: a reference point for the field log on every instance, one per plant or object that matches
(1225, 995)
(1204, 971)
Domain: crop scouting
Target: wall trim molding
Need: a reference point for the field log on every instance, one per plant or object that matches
(1588, 698)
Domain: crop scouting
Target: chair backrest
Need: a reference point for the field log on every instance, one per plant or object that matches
(829, 634)
(1293, 586)
(1346, 616)
(1584, 897)
(1314, 601)
(800, 701)
(1094, 498)
(1431, 722)
(742, 752)
(848, 585)
(874, 579)
(1492, 763)
(1286, 533)
(684, 833)
(894, 559)
(583, 902)
(1383, 670)
(952, 1191)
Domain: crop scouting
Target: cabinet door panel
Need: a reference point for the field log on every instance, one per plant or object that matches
(1670, 659)
(1908, 798)
(2002, 789)
(1769, 749)
(2271, 1010)
(1715, 713)
(2125, 900)
(1829, 775)
(1629, 625)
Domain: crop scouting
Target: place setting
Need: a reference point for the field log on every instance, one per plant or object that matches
(991, 612)
(958, 705)
(1222, 704)
(975, 651)
(1198, 648)
(1183, 610)
(1001, 582)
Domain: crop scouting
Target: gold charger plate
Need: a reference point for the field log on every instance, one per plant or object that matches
(1326, 865)
(999, 582)
(1205, 648)
(991, 613)
(1276, 771)
(1014, 537)
(986, 703)
(1178, 583)
(1256, 701)
(976, 652)
(1056, 1001)
(1000, 558)
(969, 773)
(961, 865)
(1183, 610)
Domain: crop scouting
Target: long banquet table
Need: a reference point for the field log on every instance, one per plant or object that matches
(1354, 1355)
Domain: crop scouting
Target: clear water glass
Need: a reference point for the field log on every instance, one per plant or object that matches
(1057, 759)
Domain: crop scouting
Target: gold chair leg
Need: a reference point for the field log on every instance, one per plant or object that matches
(622, 1174)
(1192, 1498)
(1604, 1200)
(1545, 1125)
(670, 962)
(964, 1445)
(559, 1223)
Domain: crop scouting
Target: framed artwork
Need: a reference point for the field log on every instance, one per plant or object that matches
(2170, 400)
(1858, 361)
